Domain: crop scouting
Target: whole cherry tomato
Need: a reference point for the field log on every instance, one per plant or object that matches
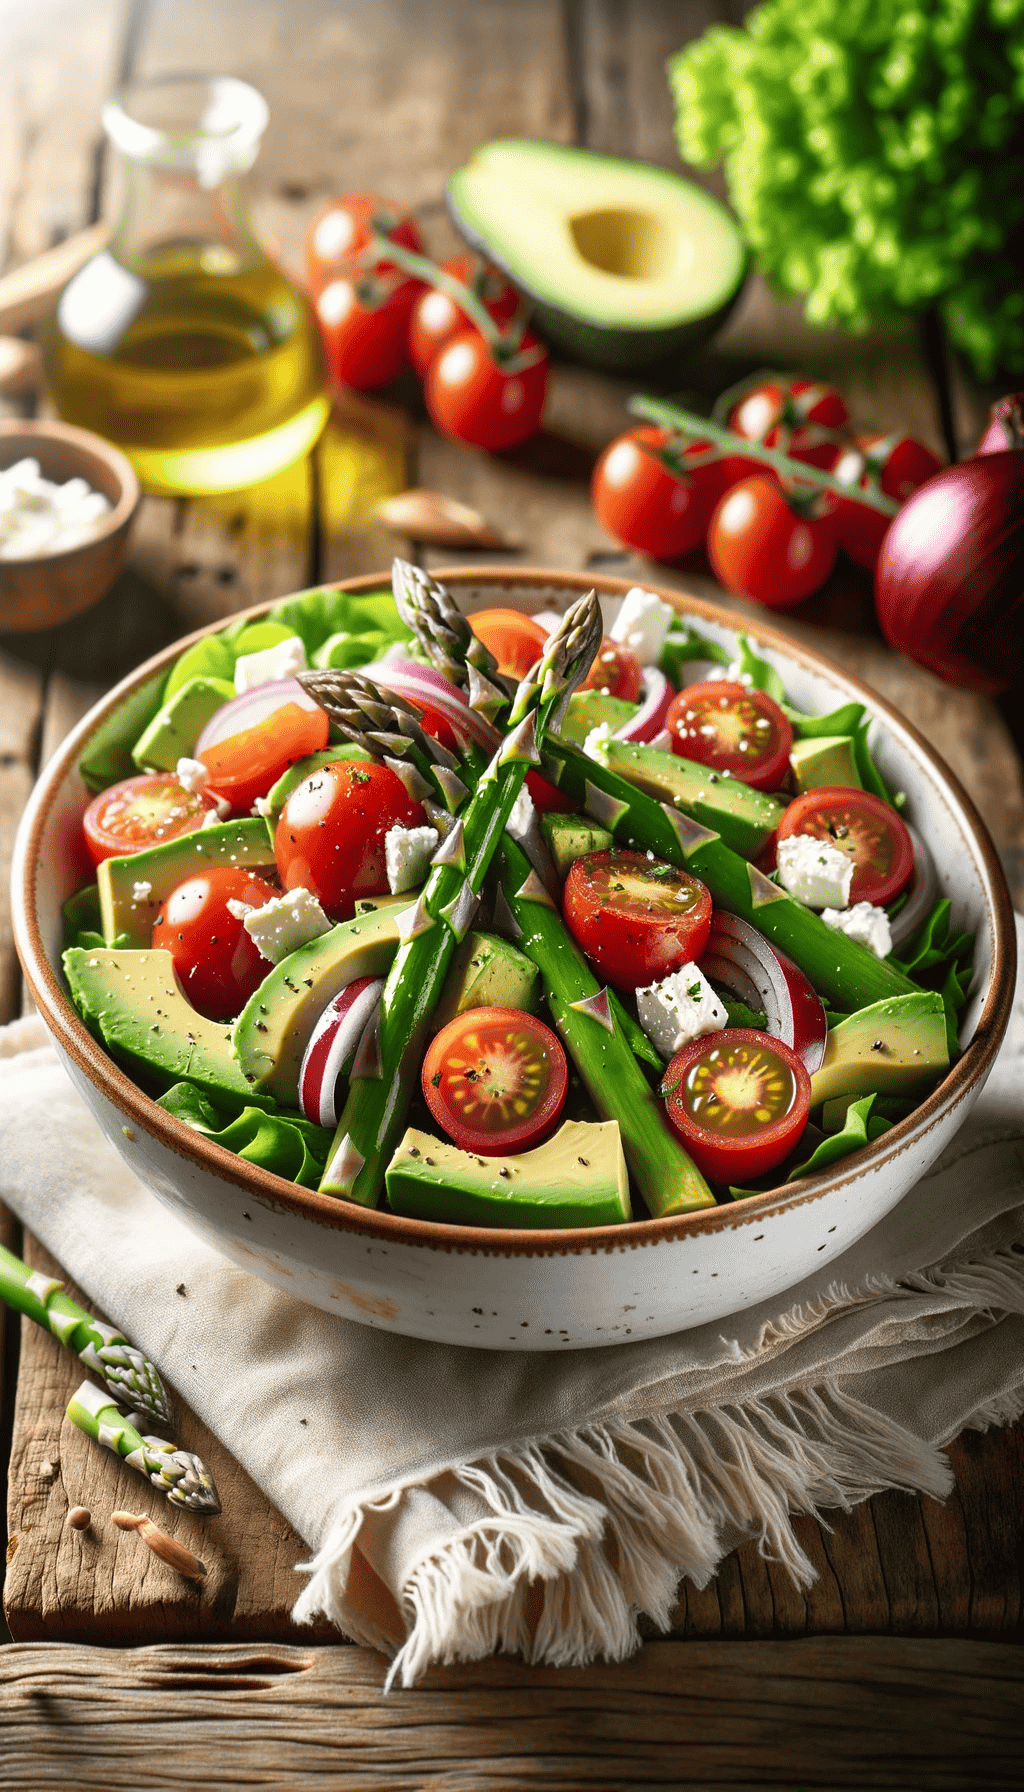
(640, 502)
(215, 961)
(896, 465)
(330, 837)
(796, 416)
(363, 308)
(436, 318)
(759, 544)
(141, 812)
(474, 400)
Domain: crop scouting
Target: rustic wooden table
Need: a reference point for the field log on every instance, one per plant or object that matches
(898, 1665)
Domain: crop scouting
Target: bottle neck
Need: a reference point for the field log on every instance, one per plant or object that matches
(167, 219)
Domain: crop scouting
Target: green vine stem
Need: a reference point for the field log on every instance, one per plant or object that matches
(702, 429)
(503, 344)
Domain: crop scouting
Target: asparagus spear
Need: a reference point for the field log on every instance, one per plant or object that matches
(378, 1098)
(177, 1473)
(847, 973)
(448, 641)
(128, 1374)
(599, 1046)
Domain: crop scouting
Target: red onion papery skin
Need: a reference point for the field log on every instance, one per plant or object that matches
(1005, 425)
(949, 584)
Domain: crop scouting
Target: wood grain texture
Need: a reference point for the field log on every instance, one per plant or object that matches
(836, 1712)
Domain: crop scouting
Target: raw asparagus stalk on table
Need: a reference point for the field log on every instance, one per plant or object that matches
(178, 1474)
(129, 1375)
(587, 1017)
(431, 929)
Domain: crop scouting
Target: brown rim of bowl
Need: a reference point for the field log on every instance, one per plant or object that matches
(275, 1191)
(96, 448)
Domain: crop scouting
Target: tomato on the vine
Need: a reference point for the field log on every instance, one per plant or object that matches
(864, 827)
(761, 545)
(640, 502)
(141, 812)
(215, 961)
(515, 640)
(436, 318)
(796, 416)
(245, 765)
(475, 399)
(734, 728)
(330, 836)
(616, 670)
(495, 1079)
(893, 464)
(739, 1101)
(637, 919)
(363, 309)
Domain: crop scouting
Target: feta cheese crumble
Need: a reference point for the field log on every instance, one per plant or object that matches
(142, 891)
(817, 873)
(407, 855)
(283, 924)
(39, 517)
(683, 1006)
(596, 741)
(522, 818)
(280, 661)
(643, 623)
(864, 922)
(192, 774)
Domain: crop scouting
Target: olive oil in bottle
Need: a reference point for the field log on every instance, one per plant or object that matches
(184, 343)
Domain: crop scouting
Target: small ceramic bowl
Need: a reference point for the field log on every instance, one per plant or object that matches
(539, 1290)
(41, 590)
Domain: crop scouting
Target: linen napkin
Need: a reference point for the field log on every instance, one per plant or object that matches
(536, 1503)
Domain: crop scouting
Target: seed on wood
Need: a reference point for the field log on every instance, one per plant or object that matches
(79, 1518)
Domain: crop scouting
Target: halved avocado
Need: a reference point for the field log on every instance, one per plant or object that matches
(626, 264)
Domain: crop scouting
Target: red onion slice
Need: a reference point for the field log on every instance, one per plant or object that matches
(332, 1047)
(742, 959)
(655, 696)
(923, 889)
(250, 709)
(428, 688)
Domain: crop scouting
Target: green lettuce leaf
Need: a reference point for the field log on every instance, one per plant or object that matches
(108, 757)
(859, 1129)
(282, 1142)
(318, 614)
(683, 644)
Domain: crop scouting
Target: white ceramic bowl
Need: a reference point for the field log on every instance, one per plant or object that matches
(533, 1290)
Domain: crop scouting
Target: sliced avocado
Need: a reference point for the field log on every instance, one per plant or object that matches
(626, 263)
(132, 1001)
(891, 1047)
(486, 972)
(177, 725)
(291, 779)
(588, 709)
(743, 817)
(829, 759)
(154, 873)
(578, 1178)
(569, 837)
(274, 1028)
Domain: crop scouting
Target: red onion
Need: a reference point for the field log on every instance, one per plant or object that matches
(332, 1047)
(250, 709)
(428, 688)
(741, 959)
(923, 888)
(949, 585)
(655, 696)
(1005, 425)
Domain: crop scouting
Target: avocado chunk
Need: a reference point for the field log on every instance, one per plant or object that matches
(132, 888)
(829, 759)
(890, 1048)
(177, 725)
(290, 780)
(486, 972)
(626, 264)
(588, 709)
(743, 817)
(131, 1001)
(569, 837)
(274, 1028)
(577, 1178)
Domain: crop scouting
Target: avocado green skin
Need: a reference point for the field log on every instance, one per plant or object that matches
(177, 725)
(130, 1000)
(245, 842)
(551, 1185)
(891, 1048)
(486, 972)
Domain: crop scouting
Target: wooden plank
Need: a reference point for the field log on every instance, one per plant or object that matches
(838, 1711)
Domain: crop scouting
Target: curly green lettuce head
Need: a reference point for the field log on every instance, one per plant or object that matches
(874, 151)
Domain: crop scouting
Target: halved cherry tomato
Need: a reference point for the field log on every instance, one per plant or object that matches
(363, 310)
(762, 546)
(515, 640)
(495, 1079)
(616, 671)
(330, 837)
(867, 829)
(141, 812)
(734, 728)
(215, 961)
(640, 502)
(636, 918)
(739, 1101)
(436, 318)
(245, 765)
(475, 400)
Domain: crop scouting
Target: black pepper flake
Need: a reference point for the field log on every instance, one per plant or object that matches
(585, 1161)
(504, 1171)
(181, 1289)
